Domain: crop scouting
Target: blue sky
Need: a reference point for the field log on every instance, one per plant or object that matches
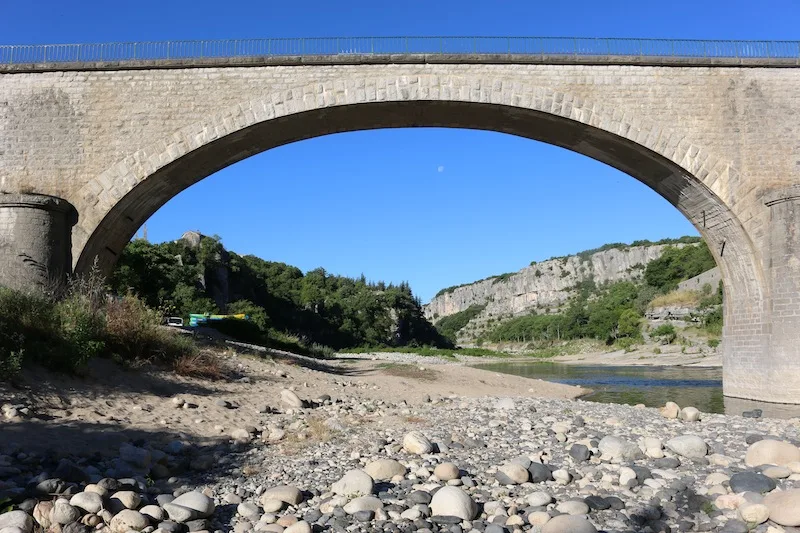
(434, 207)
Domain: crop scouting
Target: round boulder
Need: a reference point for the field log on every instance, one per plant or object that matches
(512, 474)
(363, 503)
(689, 446)
(446, 471)
(569, 524)
(385, 469)
(614, 448)
(754, 513)
(89, 502)
(417, 443)
(127, 520)
(771, 452)
(784, 507)
(354, 483)
(452, 501)
(284, 493)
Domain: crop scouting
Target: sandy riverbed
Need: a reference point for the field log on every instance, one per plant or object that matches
(111, 405)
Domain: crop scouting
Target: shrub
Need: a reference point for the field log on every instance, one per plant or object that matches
(199, 365)
(626, 343)
(665, 333)
(657, 350)
(713, 343)
(134, 333)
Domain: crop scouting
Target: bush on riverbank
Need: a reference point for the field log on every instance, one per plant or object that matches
(64, 333)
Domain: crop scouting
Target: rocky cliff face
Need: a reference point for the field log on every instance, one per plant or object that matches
(545, 285)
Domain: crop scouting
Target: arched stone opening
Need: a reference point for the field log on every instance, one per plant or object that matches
(120, 200)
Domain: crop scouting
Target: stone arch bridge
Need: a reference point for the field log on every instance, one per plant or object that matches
(92, 144)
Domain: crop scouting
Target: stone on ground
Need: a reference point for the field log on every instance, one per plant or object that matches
(452, 501)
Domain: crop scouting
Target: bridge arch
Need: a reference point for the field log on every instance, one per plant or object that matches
(114, 204)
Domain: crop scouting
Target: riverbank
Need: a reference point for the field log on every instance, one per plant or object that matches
(294, 443)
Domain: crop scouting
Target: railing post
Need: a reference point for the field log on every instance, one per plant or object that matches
(11, 56)
(44, 59)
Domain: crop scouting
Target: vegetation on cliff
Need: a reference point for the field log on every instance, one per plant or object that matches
(286, 306)
(613, 312)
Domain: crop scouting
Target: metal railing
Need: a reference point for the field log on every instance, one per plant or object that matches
(343, 46)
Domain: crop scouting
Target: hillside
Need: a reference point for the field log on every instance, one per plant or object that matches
(196, 274)
(550, 287)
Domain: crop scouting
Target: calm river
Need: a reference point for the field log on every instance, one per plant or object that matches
(650, 385)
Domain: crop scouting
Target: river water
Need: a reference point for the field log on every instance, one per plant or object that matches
(652, 386)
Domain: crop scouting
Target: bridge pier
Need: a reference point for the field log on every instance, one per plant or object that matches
(782, 366)
(35, 241)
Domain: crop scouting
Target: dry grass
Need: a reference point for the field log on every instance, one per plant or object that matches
(200, 365)
(411, 419)
(318, 430)
(250, 470)
(676, 298)
(408, 371)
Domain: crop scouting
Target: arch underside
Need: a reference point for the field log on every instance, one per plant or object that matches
(708, 213)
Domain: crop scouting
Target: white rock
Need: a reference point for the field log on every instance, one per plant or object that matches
(573, 507)
(538, 499)
(505, 403)
(417, 443)
(771, 452)
(446, 471)
(689, 446)
(569, 524)
(284, 493)
(63, 513)
(518, 474)
(452, 501)
(128, 519)
(784, 506)
(291, 399)
(670, 410)
(385, 469)
(18, 519)
(354, 483)
(124, 499)
(363, 503)
(627, 477)
(154, 512)
(90, 502)
(241, 435)
(271, 506)
(562, 477)
(614, 448)
(202, 505)
(538, 518)
(690, 414)
(298, 527)
(754, 513)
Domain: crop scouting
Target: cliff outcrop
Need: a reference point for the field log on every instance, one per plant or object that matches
(543, 286)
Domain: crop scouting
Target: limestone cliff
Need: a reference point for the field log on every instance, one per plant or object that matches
(545, 285)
